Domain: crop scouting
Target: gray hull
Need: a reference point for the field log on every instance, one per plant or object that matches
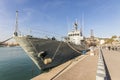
(40, 49)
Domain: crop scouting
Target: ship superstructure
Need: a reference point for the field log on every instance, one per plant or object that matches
(75, 36)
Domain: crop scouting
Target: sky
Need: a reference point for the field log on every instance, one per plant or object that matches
(58, 16)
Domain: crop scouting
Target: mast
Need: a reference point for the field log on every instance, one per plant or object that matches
(76, 25)
(92, 34)
(16, 25)
(92, 39)
(82, 25)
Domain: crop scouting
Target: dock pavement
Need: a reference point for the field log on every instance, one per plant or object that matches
(83, 67)
(112, 60)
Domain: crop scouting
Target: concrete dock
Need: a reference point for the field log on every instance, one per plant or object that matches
(85, 67)
(112, 60)
(83, 70)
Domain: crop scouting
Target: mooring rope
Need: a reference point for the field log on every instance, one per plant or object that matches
(73, 48)
(57, 50)
(33, 47)
(6, 40)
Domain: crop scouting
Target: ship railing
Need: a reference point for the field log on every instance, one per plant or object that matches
(42, 34)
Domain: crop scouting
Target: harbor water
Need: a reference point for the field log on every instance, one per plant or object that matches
(16, 65)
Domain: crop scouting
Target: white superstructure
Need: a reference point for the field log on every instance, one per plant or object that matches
(75, 36)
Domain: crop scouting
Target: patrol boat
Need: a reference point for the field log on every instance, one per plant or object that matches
(49, 53)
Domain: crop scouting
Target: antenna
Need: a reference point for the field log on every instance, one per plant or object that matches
(67, 24)
(81, 31)
(16, 25)
(76, 24)
(82, 24)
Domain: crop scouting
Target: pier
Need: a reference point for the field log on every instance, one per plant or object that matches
(112, 60)
(103, 65)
